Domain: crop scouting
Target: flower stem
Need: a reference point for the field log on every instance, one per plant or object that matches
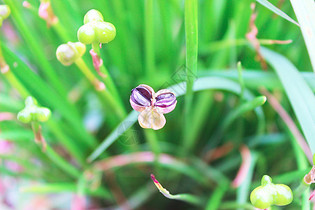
(191, 27)
(97, 84)
(149, 37)
(107, 79)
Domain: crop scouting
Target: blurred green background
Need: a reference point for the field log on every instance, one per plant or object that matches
(149, 49)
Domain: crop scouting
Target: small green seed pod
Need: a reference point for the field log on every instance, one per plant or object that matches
(68, 53)
(86, 34)
(93, 15)
(105, 32)
(24, 116)
(95, 29)
(269, 194)
(32, 112)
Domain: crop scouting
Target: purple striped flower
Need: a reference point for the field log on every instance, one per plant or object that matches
(152, 105)
(165, 100)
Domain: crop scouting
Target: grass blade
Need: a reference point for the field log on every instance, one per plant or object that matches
(305, 13)
(62, 187)
(299, 93)
(277, 11)
(191, 28)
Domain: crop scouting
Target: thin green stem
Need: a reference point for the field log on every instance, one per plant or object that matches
(109, 99)
(215, 199)
(108, 79)
(62, 163)
(240, 79)
(191, 27)
(149, 37)
(16, 84)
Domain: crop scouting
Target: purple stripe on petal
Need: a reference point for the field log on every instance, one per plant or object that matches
(141, 97)
(166, 101)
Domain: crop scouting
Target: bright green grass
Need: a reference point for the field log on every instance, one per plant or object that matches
(158, 43)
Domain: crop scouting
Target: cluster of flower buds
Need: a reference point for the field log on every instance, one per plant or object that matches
(269, 194)
(152, 105)
(32, 112)
(95, 29)
(4, 13)
(68, 53)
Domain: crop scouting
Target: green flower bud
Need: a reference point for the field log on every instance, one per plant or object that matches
(32, 112)
(68, 53)
(95, 29)
(105, 32)
(269, 194)
(86, 34)
(93, 15)
(4, 13)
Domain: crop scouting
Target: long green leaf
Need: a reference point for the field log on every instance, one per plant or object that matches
(191, 31)
(299, 93)
(255, 79)
(305, 13)
(277, 11)
(62, 187)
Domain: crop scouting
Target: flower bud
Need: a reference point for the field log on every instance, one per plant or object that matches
(68, 53)
(165, 100)
(95, 29)
(32, 112)
(93, 15)
(141, 97)
(4, 13)
(105, 32)
(269, 194)
(86, 34)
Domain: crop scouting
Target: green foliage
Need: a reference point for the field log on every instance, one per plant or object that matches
(95, 146)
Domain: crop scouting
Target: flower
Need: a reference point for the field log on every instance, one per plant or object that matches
(152, 105)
